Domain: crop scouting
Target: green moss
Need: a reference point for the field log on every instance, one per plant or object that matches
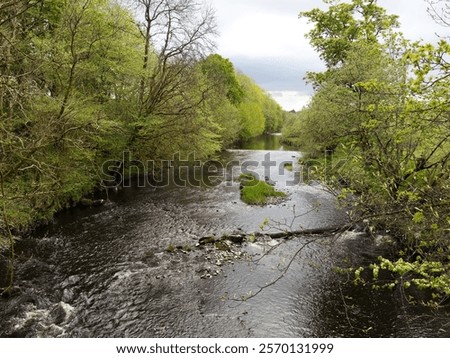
(247, 179)
(222, 246)
(289, 166)
(257, 192)
(170, 249)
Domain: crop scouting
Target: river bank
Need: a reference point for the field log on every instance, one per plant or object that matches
(135, 268)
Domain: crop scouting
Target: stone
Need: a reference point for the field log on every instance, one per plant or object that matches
(207, 240)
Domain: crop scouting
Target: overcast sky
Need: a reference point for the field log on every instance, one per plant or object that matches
(265, 40)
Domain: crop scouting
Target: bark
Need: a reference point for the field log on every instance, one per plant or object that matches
(241, 237)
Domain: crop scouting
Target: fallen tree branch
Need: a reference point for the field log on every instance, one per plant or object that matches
(315, 231)
(239, 238)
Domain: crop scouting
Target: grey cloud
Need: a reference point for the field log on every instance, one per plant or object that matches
(285, 71)
(277, 73)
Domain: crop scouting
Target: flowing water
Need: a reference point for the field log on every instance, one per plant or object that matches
(134, 268)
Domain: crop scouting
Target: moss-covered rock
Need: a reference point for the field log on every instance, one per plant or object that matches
(222, 246)
(257, 192)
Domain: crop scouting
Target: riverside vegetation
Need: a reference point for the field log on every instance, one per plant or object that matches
(257, 192)
(381, 113)
(81, 81)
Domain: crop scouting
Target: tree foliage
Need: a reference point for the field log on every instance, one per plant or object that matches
(383, 105)
(81, 81)
(221, 73)
(259, 112)
(345, 23)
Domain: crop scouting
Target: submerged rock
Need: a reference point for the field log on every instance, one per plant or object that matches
(61, 313)
(384, 240)
(235, 238)
(207, 240)
(222, 246)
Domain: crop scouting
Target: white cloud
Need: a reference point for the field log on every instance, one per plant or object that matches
(415, 22)
(291, 100)
(265, 35)
(277, 73)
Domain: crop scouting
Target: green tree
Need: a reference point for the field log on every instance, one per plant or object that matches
(345, 23)
(258, 110)
(273, 114)
(341, 25)
(224, 95)
(172, 114)
(383, 104)
(251, 110)
(222, 75)
(55, 102)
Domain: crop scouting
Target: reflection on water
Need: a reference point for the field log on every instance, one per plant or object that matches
(266, 142)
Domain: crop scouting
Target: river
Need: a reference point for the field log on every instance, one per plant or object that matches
(133, 267)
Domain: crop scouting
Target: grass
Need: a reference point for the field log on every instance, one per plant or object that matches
(289, 166)
(257, 192)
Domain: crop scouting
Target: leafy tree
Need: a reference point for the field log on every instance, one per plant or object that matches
(61, 60)
(251, 110)
(291, 130)
(383, 104)
(176, 34)
(273, 114)
(259, 112)
(224, 95)
(222, 75)
(341, 25)
(83, 80)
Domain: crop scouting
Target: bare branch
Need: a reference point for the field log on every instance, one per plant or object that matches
(439, 10)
